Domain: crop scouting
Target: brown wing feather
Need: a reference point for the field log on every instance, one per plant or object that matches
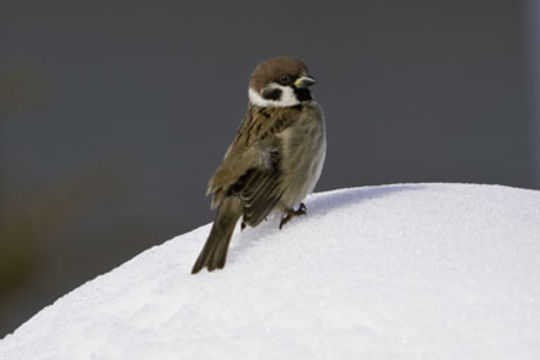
(251, 167)
(260, 194)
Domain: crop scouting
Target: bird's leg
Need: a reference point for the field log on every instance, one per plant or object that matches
(290, 213)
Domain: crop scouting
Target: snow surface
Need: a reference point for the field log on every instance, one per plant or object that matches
(421, 271)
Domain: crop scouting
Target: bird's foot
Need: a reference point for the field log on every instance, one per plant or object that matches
(302, 210)
(290, 213)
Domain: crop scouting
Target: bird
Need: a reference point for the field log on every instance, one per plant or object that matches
(275, 159)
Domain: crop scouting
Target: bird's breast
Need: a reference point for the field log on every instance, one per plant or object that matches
(304, 151)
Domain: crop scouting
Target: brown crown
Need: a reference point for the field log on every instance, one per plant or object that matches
(271, 70)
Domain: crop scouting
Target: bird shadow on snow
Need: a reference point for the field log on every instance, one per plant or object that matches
(326, 202)
(318, 205)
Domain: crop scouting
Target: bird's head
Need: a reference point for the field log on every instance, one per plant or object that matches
(280, 82)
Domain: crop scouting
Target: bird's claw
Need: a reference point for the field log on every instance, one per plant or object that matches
(292, 213)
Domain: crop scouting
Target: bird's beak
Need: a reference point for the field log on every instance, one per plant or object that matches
(304, 82)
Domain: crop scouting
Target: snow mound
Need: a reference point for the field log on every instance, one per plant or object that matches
(420, 271)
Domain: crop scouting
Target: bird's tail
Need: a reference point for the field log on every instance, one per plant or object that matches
(214, 252)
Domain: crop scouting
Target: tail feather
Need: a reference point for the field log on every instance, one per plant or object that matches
(214, 253)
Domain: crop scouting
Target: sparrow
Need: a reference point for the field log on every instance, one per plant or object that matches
(274, 161)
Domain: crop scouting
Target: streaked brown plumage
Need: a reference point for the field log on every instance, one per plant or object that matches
(275, 159)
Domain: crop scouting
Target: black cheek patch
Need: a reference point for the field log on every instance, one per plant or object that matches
(271, 94)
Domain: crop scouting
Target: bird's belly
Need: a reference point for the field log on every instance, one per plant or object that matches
(308, 180)
(305, 160)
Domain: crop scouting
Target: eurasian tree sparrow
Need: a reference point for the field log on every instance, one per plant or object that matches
(275, 159)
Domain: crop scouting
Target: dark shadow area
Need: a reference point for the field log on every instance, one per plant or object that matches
(325, 203)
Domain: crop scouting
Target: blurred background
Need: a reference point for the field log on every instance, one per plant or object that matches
(114, 114)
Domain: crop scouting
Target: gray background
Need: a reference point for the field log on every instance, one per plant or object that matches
(115, 114)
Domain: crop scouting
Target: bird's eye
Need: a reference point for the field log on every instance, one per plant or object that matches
(285, 79)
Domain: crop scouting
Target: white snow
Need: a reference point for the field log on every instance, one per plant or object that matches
(420, 271)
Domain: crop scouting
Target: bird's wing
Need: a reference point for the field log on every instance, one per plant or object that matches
(251, 167)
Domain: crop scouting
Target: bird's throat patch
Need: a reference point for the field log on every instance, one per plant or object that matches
(302, 94)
